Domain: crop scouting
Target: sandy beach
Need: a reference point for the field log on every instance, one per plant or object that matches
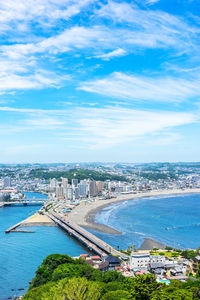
(37, 220)
(84, 214)
(150, 244)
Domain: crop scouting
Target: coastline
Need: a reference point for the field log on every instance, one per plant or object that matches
(84, 214)
(149, 244)
(37, 220)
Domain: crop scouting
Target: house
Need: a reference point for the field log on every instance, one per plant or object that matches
(157, 268)
(113, 261)
(103, 266)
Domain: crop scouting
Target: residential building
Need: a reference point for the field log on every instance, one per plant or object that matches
(69, 193)
(59, 191)
(64, 182)
(53, 185)
(6, 182)
(74, 182)
(139, 260)
(93, 191)
(83, 190)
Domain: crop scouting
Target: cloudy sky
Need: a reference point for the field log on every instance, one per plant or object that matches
(89, 80)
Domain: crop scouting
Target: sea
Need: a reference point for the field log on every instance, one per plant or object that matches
(172, 220)
(22, 253)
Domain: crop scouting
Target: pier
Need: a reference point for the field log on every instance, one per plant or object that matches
(88, 239)
(12, 228)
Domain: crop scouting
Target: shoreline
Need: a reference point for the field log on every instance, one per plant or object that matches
(84, 214)
(149, 244)
(37, 220)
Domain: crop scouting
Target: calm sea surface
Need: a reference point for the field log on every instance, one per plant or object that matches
(22, 253)
(172, 220)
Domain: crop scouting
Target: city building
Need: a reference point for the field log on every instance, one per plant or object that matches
(68, 193)
(59, 191)
(93, 191)
(83, 190)
(64, 182)
(76, 193)
(6, 182)
(53, 185)
(74, 182)
(139, 260)
(100, 186)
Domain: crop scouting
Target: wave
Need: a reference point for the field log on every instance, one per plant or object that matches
(183, 226)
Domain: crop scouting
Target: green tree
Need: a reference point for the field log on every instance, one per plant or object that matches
(143, 286)
(198, 272)
(176, 294)
(78, 289)
(117, 295)
(76, 270)
(188, 254)
(50, 263)
(111, 276)
(168, 248)
(73, 289)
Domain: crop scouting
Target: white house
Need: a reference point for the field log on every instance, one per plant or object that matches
(139, 260)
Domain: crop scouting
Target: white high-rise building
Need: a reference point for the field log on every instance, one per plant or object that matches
(76, 193)
(83, 190)
(68, 193)
(6, 181)
(65, 182)
(53, 184)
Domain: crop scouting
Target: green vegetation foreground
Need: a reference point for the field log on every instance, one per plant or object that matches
(61, 277)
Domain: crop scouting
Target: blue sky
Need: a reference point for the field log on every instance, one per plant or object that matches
(85, 80)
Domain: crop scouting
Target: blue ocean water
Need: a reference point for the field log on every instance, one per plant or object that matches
(32, 195)
(172, 220)
(22, 253)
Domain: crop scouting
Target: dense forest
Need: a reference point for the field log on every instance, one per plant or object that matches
(79, 174)
(61, 277)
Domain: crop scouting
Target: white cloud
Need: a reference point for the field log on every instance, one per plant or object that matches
(45, 123)
(136, 87)
(114, 53)
(152, 1)
(108, 127)
(34, 110)
(38, 80)
(157, 29)
(151, 28)
(19, 13)
(97, 128)
(19, 62)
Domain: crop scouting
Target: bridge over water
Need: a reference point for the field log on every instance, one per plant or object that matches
(24, 202)
(88, 239)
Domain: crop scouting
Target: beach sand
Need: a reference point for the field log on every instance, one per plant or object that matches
(37, 220)
(84, 213)
(149, 244)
